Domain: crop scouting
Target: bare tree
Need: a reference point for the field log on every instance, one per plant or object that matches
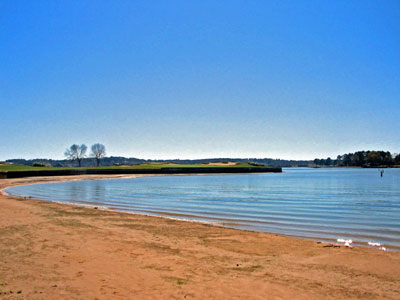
(76, 152)
(98, 152)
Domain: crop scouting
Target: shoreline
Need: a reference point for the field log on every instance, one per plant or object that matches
(227, 223)
(104, 208)
(53, 250)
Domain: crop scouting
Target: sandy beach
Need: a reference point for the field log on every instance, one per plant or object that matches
(58, 251)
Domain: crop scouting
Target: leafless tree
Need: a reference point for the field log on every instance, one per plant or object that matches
(98, 152)
(76, 152)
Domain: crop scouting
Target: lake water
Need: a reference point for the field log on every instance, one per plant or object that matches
(322, 204)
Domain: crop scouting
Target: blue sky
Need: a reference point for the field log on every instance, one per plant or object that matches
(196, 79)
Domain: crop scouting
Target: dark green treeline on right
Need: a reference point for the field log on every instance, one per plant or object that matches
(361, 159)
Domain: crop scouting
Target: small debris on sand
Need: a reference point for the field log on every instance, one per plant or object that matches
(374, 244)
(347, 243)
(331, 246)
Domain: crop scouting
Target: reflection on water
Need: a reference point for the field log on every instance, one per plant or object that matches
(98, 191)
(317, 203)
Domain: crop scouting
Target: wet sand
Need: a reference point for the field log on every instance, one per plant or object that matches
(58, 251)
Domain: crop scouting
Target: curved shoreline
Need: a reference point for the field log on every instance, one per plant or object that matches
(100, 207)
(224, 223)
(58, 251)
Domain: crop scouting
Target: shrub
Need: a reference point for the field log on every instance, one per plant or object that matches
(251, 163)
(40, 164)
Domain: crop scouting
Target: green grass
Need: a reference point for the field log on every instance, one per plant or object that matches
(7, 167)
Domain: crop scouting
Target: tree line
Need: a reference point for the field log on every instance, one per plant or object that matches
(78, 152)
(361, 159)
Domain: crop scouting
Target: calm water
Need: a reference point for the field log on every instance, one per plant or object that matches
(314, 203)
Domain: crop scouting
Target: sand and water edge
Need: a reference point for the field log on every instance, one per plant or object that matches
(58, 251)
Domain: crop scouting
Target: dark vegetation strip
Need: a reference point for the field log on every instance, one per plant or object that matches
(115, 171)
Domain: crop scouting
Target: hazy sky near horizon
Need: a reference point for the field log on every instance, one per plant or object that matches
(198, 79)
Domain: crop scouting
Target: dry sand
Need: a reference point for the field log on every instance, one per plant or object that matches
(55, 251)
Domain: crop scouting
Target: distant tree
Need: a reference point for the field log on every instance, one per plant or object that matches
(358, 158)
(328, 161)
(346, 159)
(374, 158)
(396, 159)
(76, 152)
(388, 158)
(98, 152)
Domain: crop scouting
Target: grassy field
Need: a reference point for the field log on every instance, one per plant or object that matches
(7, 167)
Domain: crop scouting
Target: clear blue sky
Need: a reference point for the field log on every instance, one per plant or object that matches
(194, 79)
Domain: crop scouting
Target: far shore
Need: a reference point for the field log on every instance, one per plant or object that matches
(58, 251)
(21, 171)
(355, 167)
